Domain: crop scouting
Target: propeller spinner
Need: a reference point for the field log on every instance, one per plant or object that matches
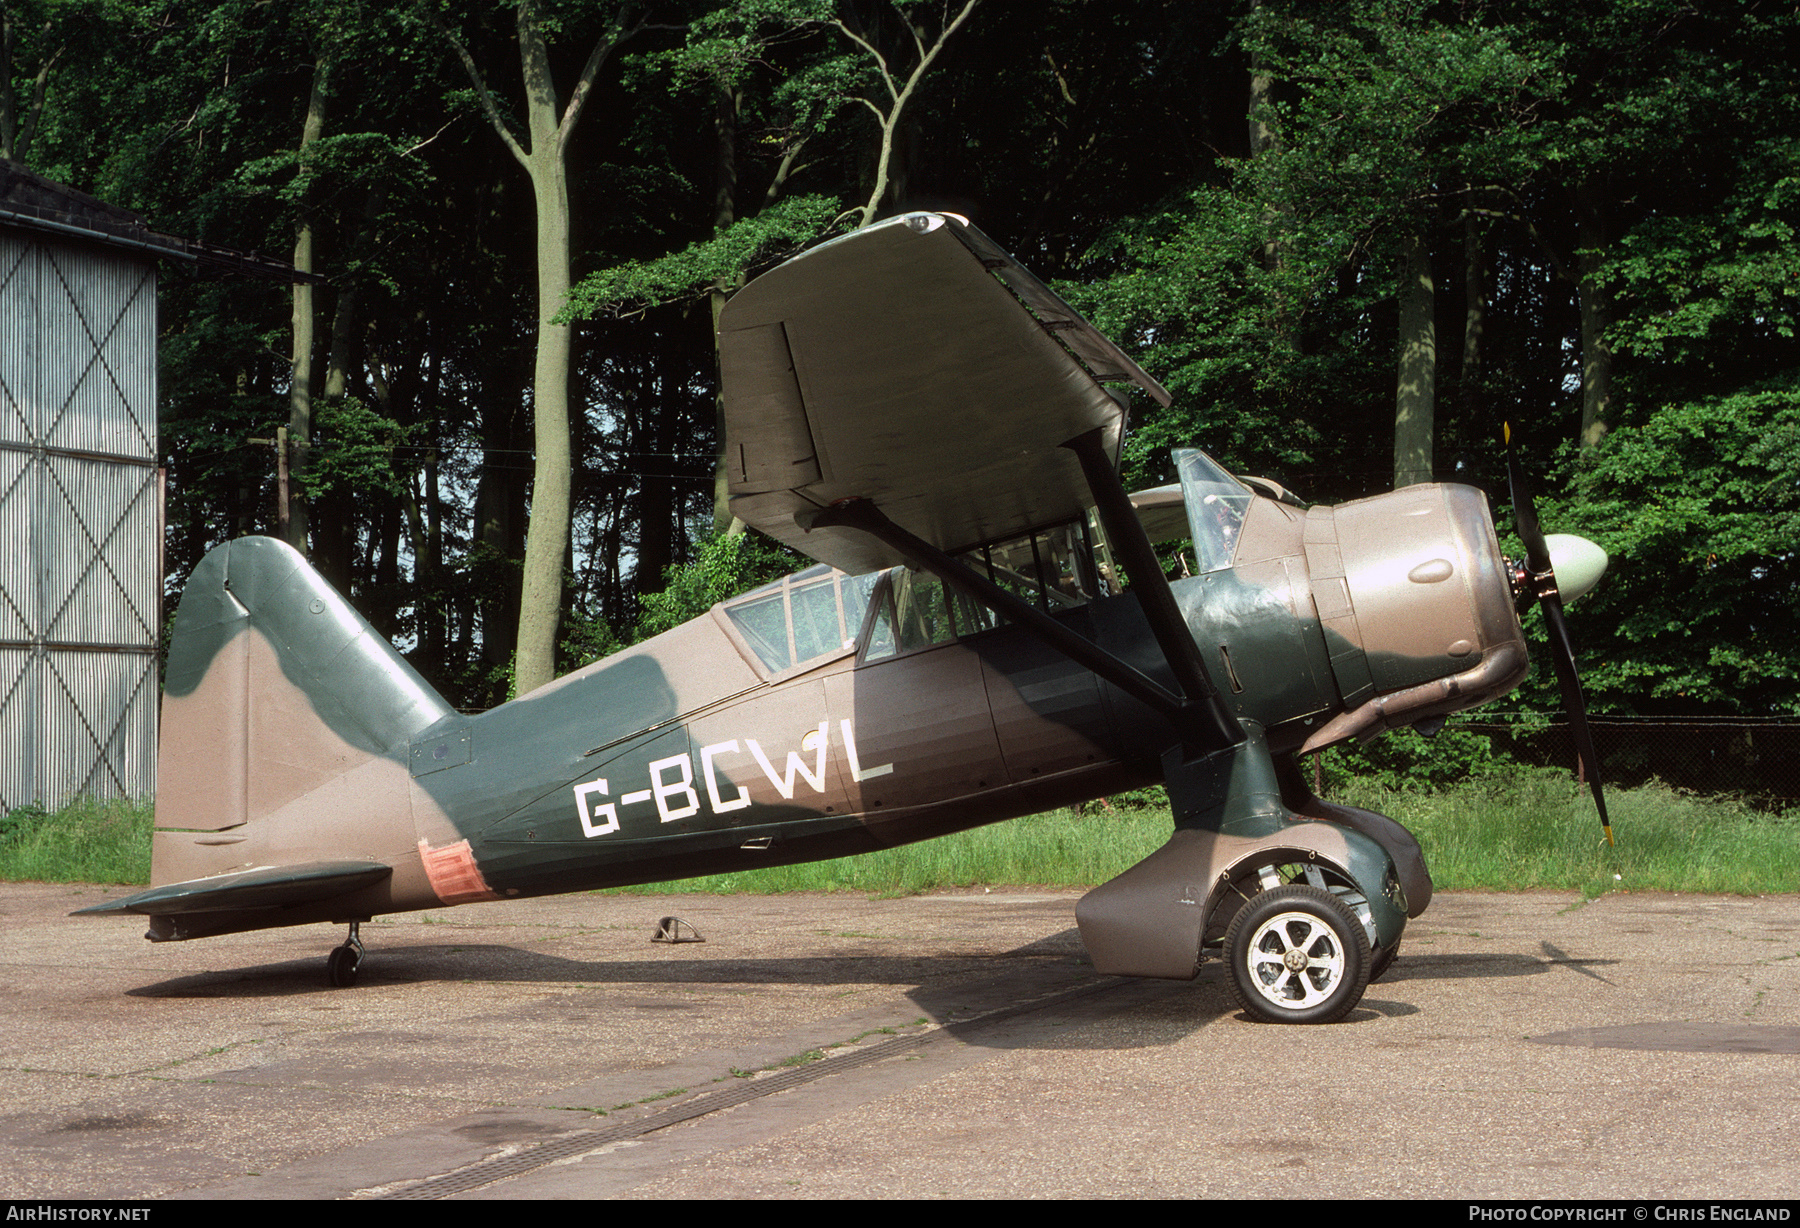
(1581, 563)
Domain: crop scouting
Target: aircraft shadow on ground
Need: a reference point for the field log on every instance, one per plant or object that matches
(675, 964)
(1163, 1012)
(1465, 966)
(943, 989)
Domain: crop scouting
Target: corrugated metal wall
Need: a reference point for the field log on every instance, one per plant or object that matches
(80, 551)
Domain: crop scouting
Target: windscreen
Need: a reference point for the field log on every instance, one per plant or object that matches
(1216, 503)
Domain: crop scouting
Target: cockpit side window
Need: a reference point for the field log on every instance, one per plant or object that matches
(1052, 569)
(913, 611)
(805, 617)
(854, 593)
(881, 643)
(761, 618)
(813, 607)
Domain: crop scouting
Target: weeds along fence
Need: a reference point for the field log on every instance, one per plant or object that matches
(1757, 759)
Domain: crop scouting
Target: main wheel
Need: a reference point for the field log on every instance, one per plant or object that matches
(1298, 955)
(341, 966)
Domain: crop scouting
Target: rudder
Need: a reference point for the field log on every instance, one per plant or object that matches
(275, 687)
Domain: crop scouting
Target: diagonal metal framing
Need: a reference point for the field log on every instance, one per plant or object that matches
(17, 789)
(98, 356)
(9, 398)
(105, 762)
(20, 488)
(98, 550)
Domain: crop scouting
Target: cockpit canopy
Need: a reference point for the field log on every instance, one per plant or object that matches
(804, 617)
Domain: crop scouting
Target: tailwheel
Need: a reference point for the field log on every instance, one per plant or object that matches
(342, 964)
(1297, 955)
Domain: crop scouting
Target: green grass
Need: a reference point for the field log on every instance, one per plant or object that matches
(1539, 829)
(1513, 832)
(85, 842)
(1504, 833)
(1058, 849)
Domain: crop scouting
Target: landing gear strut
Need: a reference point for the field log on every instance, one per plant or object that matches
(342, 963)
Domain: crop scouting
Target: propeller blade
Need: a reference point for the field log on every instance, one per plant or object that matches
(1562, 648)
(1537, 551)
(1562, 658)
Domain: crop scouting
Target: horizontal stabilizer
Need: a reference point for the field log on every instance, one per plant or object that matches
(263, 887)
(1163, 512)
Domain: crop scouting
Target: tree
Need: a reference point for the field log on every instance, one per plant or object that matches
(300, 385)
(1263, 293)
(897, 84)
(728, 48)
(1700, 610)
(30, 45)
(68, 41)
(1401, 116)
(550, 124)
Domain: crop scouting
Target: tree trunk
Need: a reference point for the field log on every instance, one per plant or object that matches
(499, 530)
(16, 131)
(724, 213)
(331, 516)
(1474, 314)
(1266, 141)
(547, 541)
(1263, 140)
(540, 601)
(1416, 388)
(888, 120)
(1596, 312)
(300, 385)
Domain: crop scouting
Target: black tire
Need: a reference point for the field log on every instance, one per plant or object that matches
(1302, 926)
(1382, 961)
(341, 967)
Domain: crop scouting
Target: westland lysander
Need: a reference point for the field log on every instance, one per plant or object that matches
(988, 633)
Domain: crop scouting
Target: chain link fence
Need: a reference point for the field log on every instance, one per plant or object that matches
(1757, 759)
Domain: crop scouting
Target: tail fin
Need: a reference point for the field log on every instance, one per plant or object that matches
(274, 687)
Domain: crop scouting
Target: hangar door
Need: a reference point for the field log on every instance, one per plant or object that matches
(80, 533)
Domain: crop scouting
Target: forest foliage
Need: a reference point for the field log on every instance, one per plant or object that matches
(1340, 233)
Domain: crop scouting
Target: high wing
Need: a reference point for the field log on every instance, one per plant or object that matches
(916, 365)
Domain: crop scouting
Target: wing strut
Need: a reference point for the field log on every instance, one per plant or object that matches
(1208, 716)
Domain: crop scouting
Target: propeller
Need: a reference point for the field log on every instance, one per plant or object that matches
(1536, 581)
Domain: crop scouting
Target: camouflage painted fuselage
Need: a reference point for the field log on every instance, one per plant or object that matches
(293, 734)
